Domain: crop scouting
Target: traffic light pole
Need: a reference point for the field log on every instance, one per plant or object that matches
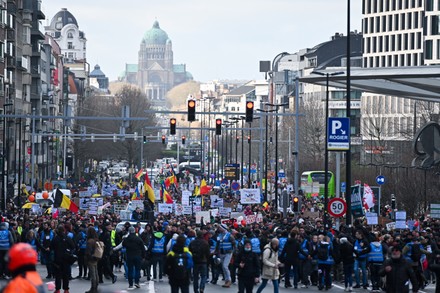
(142, 150)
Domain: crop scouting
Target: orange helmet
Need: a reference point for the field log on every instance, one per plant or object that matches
(21, 254)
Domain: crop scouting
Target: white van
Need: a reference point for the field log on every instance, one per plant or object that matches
(195, 165)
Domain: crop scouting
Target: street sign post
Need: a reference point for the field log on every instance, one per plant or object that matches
(337, 207)
(338, 134)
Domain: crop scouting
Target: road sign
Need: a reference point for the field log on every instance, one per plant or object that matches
(235, 186)
(380, 179)
(281, 174)
(343, 187)
(337, 207)
(338, 134)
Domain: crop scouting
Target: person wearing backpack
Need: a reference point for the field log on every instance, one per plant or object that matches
(92, 262)
(325, 262)
(412, 252)
(200, 251)
(271, 266)
(178, 265)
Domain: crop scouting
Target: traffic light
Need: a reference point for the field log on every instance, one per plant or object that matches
(145, 139)
(249, 139)
(191, 110)
(163, 139)
(393, 202)
(218, 126)
(183, 139)
(249, 111)
(296, 208)
(173, 126)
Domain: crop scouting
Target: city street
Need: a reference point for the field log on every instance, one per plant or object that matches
(80, 286)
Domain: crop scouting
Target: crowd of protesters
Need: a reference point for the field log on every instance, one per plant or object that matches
(292, 251)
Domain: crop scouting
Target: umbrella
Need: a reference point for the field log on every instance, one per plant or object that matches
(28, 205)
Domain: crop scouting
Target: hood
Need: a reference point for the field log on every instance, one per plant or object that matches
(158, 234)
(376, 243)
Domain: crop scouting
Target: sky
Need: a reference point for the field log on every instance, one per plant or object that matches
(216, 39)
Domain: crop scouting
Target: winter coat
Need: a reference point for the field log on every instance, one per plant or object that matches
(397, 278)
(270, 263)
(346, 249)
(290, 253)
(251, 262)
(134, 246)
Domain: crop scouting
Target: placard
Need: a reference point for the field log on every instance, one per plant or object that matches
(216, 201)
(259, 218)
(356, 201)
(224, 212)
(401, 216)
(249, 196)
(391, 226)
(251, 219)
(178, 209)
(137, 204)
(214, 212)
(187, 210)
(372, 218)
(185, 197)
(84, 193)
(206, 217)
(165, 208)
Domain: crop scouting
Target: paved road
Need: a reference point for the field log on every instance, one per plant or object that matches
(80, 286)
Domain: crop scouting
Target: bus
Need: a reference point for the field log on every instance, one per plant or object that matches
(312, 183)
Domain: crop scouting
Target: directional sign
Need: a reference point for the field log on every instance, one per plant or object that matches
(343, 187)
(380, 179)
(337, 207)
(338, 134)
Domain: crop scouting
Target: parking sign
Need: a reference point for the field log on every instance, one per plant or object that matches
(338, 134)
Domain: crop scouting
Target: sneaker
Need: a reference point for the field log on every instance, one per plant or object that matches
(365, 287)
(137, 285)
(130, 288)
(304, 286)
(350, 289)
(114, 279)
(357, 286)
(346, 289)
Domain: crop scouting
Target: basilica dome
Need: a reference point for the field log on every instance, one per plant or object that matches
(155, 36)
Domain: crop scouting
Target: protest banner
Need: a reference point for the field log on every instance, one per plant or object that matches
(250, 196)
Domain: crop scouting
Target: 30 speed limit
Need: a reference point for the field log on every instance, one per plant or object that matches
(337, 207)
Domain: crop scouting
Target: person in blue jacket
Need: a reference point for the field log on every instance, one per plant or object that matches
(325, 262)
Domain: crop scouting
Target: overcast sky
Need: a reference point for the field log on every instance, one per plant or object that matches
(223, 39)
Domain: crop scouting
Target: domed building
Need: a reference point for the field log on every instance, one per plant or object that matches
(65, 30)
(155, 72)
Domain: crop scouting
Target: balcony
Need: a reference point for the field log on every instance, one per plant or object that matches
(22, 64)
(35, 71)
(39, 13)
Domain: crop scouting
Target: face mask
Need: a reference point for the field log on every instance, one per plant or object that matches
(247, 249)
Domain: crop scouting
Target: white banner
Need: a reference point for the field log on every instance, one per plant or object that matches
(185, 197)
(178, 209)
(216, 201)
(372, 218)
(214, 212)
(224, 212)
(206, 217)
(137, 204)
(187, 210)
(165, 208)
(249, 196)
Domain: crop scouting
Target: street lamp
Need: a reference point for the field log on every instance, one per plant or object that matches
(5, 157)
(266, 149)
(243, 118)
(250, 151)
(277, 106)
(327, 80)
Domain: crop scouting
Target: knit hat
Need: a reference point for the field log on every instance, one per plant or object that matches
(224, 226)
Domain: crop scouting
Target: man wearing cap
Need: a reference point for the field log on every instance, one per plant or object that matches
(398, 272)
(226, 245)
(135, 250)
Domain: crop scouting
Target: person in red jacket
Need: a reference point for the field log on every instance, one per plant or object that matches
(22, 265)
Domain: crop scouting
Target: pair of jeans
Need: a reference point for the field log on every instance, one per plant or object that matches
(82, 263)
(264, 283)
(325, 277)
(289, 267)
(202, 270)
(184, 288)
(306, 268)
(225, 260)
(348, 275)
(93, 271)
(134, 268)
(375, 277)
(360, 263)
(157, 260)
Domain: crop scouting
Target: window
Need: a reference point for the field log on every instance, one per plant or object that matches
(405, 41)
(374, 50)
(371, 24)
(380, 44)
(390, 61)
(26, 35)
(438, 49)
(396, 22)
(387, 43)
(390, 22)
(429, 5)
(375, 6)
(408, 59)
(368, 45)
(70, 35)
(384, 23)
(399, 42)
(428, 49)
(365, 25)
(402, 21)
(409, 19)
(377, 24)
(434, 25)
(416, 20)
(412, 41)
(383, 61)
(416, 60)
(419, 40)
(393, 42)
(70, 45)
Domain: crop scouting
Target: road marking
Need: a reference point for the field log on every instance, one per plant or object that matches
(151, 287)
(339, 287)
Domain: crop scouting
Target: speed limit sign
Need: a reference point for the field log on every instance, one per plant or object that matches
(337, 207)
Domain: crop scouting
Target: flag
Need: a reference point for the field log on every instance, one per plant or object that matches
(167, 182)
(196, 191)
(139, 174)
(368, 198)
(204, 189)
(176, 183)
(119, 185)
(166, 197)
(136, 194)
(61, 200)
(148, 188)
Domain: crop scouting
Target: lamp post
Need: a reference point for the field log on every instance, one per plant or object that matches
(327, 80)
(5, 157)
(243, 118)
(277, 106)
(266, 150)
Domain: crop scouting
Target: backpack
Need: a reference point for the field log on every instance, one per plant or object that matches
(322, 252)
(180, 266)
(416, 254)
(99, 249)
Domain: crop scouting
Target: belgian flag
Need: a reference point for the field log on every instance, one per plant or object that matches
(62, 201)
